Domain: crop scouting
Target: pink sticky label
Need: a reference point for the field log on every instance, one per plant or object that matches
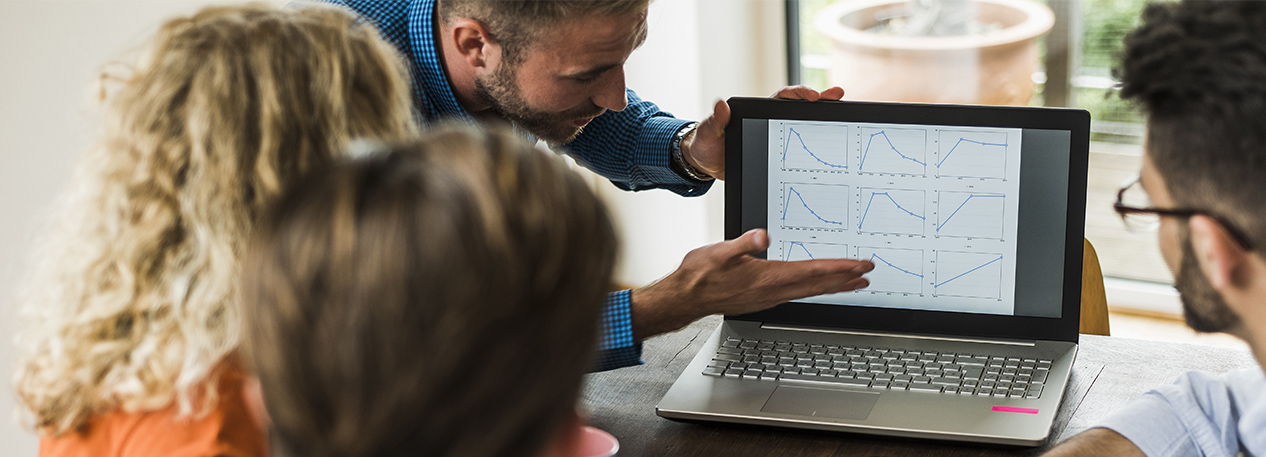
(1012, 409)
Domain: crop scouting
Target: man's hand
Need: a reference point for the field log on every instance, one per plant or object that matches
(705, 148)
(724, 278)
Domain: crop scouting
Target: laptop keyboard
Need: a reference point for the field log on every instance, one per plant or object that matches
(881, 368)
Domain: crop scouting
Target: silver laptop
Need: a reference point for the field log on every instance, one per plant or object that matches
(973, 216)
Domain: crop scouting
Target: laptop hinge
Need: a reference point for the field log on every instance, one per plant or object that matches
(796, 328)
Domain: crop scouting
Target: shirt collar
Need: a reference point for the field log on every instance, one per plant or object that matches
(429, 70)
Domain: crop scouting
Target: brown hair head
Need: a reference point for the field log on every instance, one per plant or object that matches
(517, 24)
(438, 299)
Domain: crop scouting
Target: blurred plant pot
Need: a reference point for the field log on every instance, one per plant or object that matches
(994, 68)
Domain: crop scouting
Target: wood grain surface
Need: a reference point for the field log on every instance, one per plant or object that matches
(1109, 373)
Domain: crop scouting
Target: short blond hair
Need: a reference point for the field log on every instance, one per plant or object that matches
(133, 304)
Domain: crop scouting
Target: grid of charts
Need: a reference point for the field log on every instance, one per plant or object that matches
(933, 207)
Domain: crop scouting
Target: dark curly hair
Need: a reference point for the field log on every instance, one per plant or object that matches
(1198, 69)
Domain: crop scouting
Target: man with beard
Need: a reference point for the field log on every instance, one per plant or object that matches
(1197, 68)
(555, 69)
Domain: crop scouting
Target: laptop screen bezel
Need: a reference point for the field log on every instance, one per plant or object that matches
(1075, 121)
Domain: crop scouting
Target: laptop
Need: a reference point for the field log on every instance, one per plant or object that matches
(974, 218)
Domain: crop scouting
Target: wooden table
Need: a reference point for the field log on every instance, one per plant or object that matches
(1109, 373)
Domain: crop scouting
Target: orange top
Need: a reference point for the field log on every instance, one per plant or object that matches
(228, 430)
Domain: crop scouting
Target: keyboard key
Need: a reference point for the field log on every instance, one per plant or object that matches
(733, 373)
(726, 358)
(849, 382)
(924, 388)
(973, 372)
(714, 371)
(974, 361)
(1040, 376)
(947, 382)
(769, 377)
(898, 385)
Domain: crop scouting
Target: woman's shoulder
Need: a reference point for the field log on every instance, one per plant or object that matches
(226, 430)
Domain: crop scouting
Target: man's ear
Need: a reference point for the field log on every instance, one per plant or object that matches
(475, 44)
(253, 395)
(1221, 258)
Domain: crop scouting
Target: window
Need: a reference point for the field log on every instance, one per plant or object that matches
(1070, 66)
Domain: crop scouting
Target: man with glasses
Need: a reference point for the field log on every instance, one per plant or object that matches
(1198, 69)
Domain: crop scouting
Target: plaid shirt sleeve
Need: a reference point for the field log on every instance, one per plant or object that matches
(617, 348)
(633, 148)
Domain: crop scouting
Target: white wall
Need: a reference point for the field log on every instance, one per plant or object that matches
(698, 51)
(51, 50)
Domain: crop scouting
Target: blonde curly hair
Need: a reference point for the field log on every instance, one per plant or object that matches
(132, 305)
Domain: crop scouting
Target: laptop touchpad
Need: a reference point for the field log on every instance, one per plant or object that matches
(835, 404)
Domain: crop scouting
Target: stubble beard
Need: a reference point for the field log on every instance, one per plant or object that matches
(1202, 307)
(502, 93)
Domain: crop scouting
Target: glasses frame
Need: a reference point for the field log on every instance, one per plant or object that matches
(1124, 210)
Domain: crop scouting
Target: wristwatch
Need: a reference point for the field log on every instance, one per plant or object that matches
(681, 165)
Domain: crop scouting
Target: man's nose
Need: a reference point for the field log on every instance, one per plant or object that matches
(611, 93)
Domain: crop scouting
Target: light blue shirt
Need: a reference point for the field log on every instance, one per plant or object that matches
(1201, 414)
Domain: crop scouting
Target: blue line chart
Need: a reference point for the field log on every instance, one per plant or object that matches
(969, 197)
(825, 206)
(947, 281)
(960, 141)
(874, 257)
(787, 145)
(981, 219)
(897, 270)
(800, 250)
(973, 154)
(899, 211)
(979, 274)
(898, 151)
(802, 247)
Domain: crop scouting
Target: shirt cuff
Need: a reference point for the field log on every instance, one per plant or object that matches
(655, 164)
(617, 348)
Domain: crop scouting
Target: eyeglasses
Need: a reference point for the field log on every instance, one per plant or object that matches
(1138, 214)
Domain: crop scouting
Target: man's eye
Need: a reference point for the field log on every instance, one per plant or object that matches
(584, 79)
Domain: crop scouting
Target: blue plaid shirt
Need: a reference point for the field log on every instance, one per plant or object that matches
(632, 148)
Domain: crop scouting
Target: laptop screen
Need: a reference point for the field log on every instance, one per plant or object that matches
(965, 210)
